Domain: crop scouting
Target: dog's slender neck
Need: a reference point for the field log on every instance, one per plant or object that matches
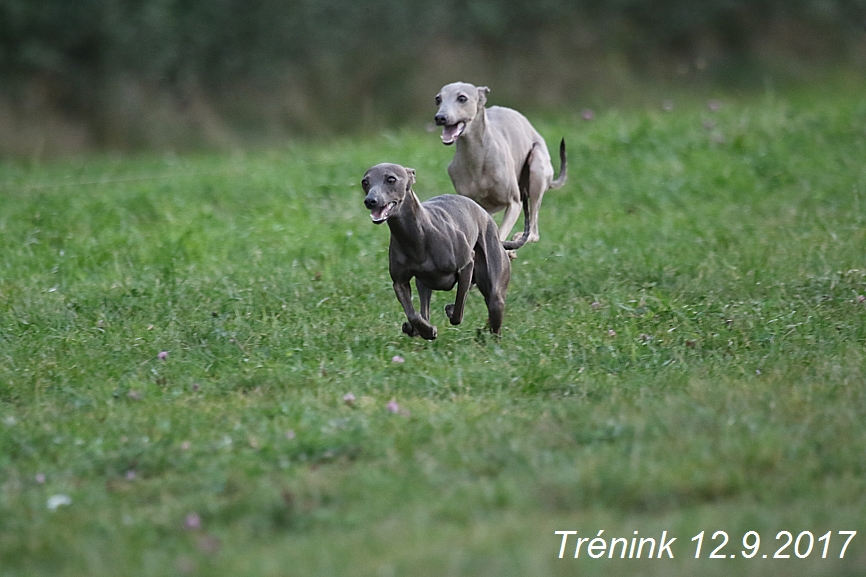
(474, 134)
(408, 223)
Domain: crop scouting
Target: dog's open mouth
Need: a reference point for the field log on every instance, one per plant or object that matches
(381, 214)
(451, 132)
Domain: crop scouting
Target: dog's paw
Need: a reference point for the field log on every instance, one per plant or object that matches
(410, 330)
(495, 332)
(420, 328)
(428, 332)
(533, 237)
(449, 312)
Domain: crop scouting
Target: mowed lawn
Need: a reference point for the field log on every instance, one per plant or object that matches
(683, 351)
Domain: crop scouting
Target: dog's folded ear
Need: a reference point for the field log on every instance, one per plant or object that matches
(482, 95)
(410, 180)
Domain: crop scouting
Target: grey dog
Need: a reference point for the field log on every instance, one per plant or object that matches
(441, 242)
(491, 145)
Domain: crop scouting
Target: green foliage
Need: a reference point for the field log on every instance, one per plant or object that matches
(683, 350)
(218, 38)
(159, 73)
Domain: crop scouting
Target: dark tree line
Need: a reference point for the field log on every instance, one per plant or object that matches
(82, 48)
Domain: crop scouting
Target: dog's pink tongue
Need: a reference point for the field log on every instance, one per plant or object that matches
(376, 213)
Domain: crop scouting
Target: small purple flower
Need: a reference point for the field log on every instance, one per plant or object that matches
(587, 114)
(163, 355)
(349, 399)
(595, 305)
(130, 475)
(861, 299)
(40, 478)
(611, 333)
(192, 522)
(290, 434)
(714, 105)
(392, 406)
(397, 359)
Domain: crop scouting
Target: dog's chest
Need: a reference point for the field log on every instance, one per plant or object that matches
(438, 269)
(487, 183)
(441, 277)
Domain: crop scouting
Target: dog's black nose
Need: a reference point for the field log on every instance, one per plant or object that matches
(370, 202)
(440, 119)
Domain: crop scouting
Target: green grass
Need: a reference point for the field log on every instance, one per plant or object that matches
(684, 350)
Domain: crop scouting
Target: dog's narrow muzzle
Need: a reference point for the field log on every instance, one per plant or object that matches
(440, 119)
(370, 202)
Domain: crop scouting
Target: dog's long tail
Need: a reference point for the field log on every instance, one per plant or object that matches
(523, 185)
(563, 168)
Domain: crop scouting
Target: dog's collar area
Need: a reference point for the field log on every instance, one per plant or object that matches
(381, 214)
(451, 132)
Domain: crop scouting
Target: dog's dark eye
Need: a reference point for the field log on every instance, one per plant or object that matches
(438, 100)
(390, 180)
(461, 99)
(365, 183)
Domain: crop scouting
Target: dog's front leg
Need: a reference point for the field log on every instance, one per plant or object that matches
(415, 325)
(424, 294)
(509, 218)
(464, 279)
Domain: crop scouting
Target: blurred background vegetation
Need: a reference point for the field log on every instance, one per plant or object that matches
(165, 74)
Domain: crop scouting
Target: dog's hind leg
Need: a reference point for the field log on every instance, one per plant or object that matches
(415, 325)
(464, 281)
(493, 271)
(493, 290)
(537, 187)
(495, 312)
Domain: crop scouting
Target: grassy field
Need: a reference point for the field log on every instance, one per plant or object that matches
(683, 351)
